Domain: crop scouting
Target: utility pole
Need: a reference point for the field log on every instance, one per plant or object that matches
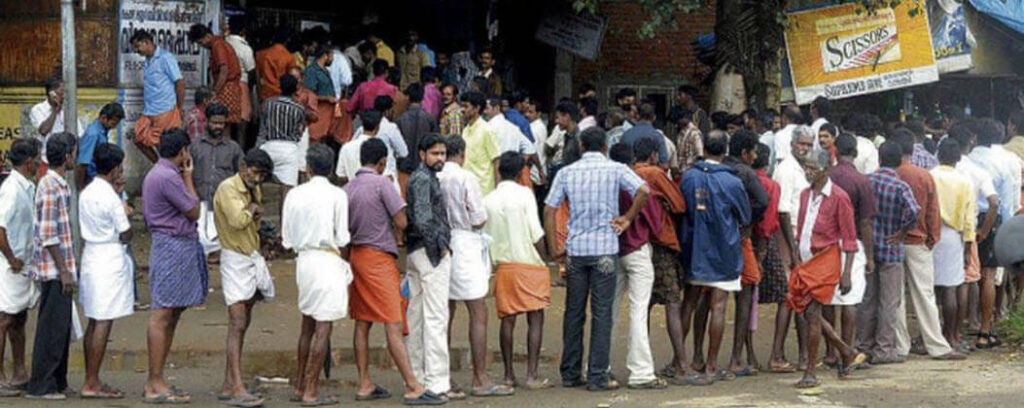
(67, 35)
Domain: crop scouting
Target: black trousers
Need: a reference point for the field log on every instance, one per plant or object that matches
(53, 336)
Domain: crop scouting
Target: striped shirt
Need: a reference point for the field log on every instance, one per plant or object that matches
(895, 209)
(52, 227)
(283, 119)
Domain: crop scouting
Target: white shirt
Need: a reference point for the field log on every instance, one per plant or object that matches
(540, 135)
(670, 147)
(348, 158)
(768, 139)
(815, 128)
(17, 205)
(389, 133)
(792, 181)
(510, 138)
(38, 115)
(783, 139)
(340, 72)
(981, 181)
(587, 123)
(866, 161)
(1005, 168)
(315, 216)
(101, 214)
(556, 141)
(462, 197)
(514, 223)
(246, 60)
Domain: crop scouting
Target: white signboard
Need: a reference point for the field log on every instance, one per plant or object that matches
(168, 22)
(579, 34)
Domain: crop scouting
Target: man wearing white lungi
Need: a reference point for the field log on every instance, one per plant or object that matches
(214, 158)
(471, 269)
(107, 275)
(245, 278)
(315, 225)
(429, 264)
(17, 293)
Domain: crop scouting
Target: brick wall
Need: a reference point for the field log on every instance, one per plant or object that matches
(668, 59)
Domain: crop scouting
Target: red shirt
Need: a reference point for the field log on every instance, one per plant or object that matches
(834, 224)
(644, 227)
(367, 93)
(271, 63)
(929, 223)
(222, 56)
(769, 224)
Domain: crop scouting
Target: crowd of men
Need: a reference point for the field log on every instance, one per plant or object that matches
(828, 219)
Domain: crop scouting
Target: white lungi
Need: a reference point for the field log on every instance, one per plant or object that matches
(207, 229)
(858, 283)
(105, 281)
(286, 160)
(471, 269)
(322, 278)
(428, 320)
(242, 275)
(949, 258)
(300, 153)
(17, 292)
(728, 286)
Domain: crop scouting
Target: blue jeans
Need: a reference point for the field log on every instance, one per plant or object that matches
(594, 276)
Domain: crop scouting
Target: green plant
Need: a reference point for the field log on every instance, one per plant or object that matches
(1011, 328)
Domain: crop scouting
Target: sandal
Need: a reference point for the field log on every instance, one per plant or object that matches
(698, 380)
(746, 371)
(539, 385)
(166, 398)
(245, 401)
(655, 384)
(724, 375)
(846, 370)
(988, 341)
(106, 392)
(610, 385)
(377, 393)
(8, 391)
(427, 398)
(782, 369)
(805, 383)
(320, 402)
(495, 390)
(667, 372)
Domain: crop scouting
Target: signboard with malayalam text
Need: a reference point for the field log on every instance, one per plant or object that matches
(579, 34)
(168, 22)
(844, 51)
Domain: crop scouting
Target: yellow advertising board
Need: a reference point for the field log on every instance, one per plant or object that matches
(15, 103)
(843, 51)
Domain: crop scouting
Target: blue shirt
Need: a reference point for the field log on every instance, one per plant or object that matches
(94, 136)
(592, 185)
(159, 73)
(318, 80)
(520, 121)
(895, 209)
(644, 129)
(717, 207)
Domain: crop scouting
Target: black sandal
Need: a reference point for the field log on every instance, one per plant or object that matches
(989, 341)
(377, 393)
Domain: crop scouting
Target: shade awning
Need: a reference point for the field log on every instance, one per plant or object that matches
(1008, 12)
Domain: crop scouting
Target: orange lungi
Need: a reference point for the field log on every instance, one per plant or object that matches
(524, 178)
(520, 288)
(149, 128)
(341, 125)
(320, 128)
(751, 268)
(231, 97)
(815, 279)
(375, 293)
(562, 226)
(246, 102)
(403, 182)
(972, 266)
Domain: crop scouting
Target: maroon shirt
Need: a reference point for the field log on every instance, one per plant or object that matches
(646, 225)
(834, 224)
(372, 201)
(858, 188)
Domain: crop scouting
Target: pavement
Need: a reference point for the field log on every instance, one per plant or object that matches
(985, 379)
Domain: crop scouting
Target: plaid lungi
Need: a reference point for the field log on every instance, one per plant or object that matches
(178, 275)
(231, 97)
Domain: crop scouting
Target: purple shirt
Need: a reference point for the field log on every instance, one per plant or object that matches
(165, 201)
(372, 201)
(432, 100)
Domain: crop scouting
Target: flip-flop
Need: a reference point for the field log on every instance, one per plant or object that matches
(6, 391)
(805, 384)
(782, 369)
(320, 402)
(539, 385)
(655, 384)
(846, 370)
(426, 398)
(724, 375)
(246, 401)
(377, 393)
(698, 380)
(667, 372)
(166, 398)
(455, 395)
(106, 392)
(495, 390)
(743, 372)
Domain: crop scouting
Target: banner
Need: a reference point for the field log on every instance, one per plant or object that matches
(844, 51)
(580, 34)
(168, 22)
(951, 38)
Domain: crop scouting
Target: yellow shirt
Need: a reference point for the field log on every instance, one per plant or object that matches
(300, 60)
(514, 224)
(957, 205)
(237, 229)
(481, 150)
(385, 53)
(1016, 146)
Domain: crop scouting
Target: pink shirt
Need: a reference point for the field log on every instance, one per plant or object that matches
(432, 100)
(367, 93)
(834, 223)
